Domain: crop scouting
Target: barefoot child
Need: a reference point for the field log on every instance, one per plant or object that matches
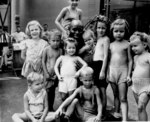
(86, 99)
(100, 58)
(67, 14)
(35, 102)
(120, 66)
(50, 55)
(141, 73)
(68, 68)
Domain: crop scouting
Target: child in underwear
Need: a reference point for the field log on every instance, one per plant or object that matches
(67, 15)
(49, 57)
(120, 66)
(66, 68)
(141, 73)
(35, 102)
(86, 100)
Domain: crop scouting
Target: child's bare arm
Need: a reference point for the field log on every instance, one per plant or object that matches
(130, 63)
(56, 67)
(23, 54)
(105, 60)
(83, 63)
(44, 58)
(59, 18)
(45, 109)
(99, 104)
(67, 102)
(26, 108)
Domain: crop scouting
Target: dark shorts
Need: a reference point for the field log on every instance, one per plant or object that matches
(97, 65)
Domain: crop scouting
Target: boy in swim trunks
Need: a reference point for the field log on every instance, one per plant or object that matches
(141, 73)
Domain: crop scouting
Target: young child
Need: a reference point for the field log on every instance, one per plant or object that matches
(141, 73)
(100, 58)
(50, 55)
(32, 49)
(68, 68)
(86, 99)
(76, 32)
(67, 14)
(35, 102)
(120, 66)
(87, 50)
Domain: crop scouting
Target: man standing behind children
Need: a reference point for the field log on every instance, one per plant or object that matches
(50, 54)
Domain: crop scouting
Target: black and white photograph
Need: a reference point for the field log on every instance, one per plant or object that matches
(74, 60)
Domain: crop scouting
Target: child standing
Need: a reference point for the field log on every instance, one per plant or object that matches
(67, 14)
(68, 68)
(87, 50)
(50, 55)
(35, 102)
(100, 58)
(86, 99)
(120, 66)
(32, 49)
(141, 73)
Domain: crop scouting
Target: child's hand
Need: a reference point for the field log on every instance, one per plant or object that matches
(101, 75)
(129, 81)
(58, 113)
(60, 78)
(87, 47)
(97, 119)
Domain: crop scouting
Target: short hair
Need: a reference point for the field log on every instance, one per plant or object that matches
(33, 22)
(70, 40)
(120, 22)
(88, 33)
(33, 76)
(55, 32)
(142, 36)
(87, 72)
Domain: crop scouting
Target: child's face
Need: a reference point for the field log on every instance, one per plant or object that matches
(137, 46)
(71, 49)
(76, 29)
(119, 32)
(74, 3)
(37, 86)
(101, 29)
(87, 81)
(54, 42)
(88, 40)
(34, 31)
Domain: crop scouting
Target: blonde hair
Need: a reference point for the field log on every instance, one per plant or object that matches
(33, 76)
(144, 38)
(89, 33)
(120, 22)
(33, 22)
(87, 72)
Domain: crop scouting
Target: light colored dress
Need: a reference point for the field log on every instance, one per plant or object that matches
(33, 61)
(36, 103)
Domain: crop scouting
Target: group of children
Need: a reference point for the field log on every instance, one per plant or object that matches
(84, 63)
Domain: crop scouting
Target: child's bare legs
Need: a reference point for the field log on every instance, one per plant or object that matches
(142, 101)
(123, 99)
(116, 97)
(104, 99)
(50, 117)
(19, 117)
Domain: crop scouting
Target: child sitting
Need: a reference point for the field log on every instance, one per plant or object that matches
(35, 102)
(86, 99)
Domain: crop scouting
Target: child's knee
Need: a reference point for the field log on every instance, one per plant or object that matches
(141, 107)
